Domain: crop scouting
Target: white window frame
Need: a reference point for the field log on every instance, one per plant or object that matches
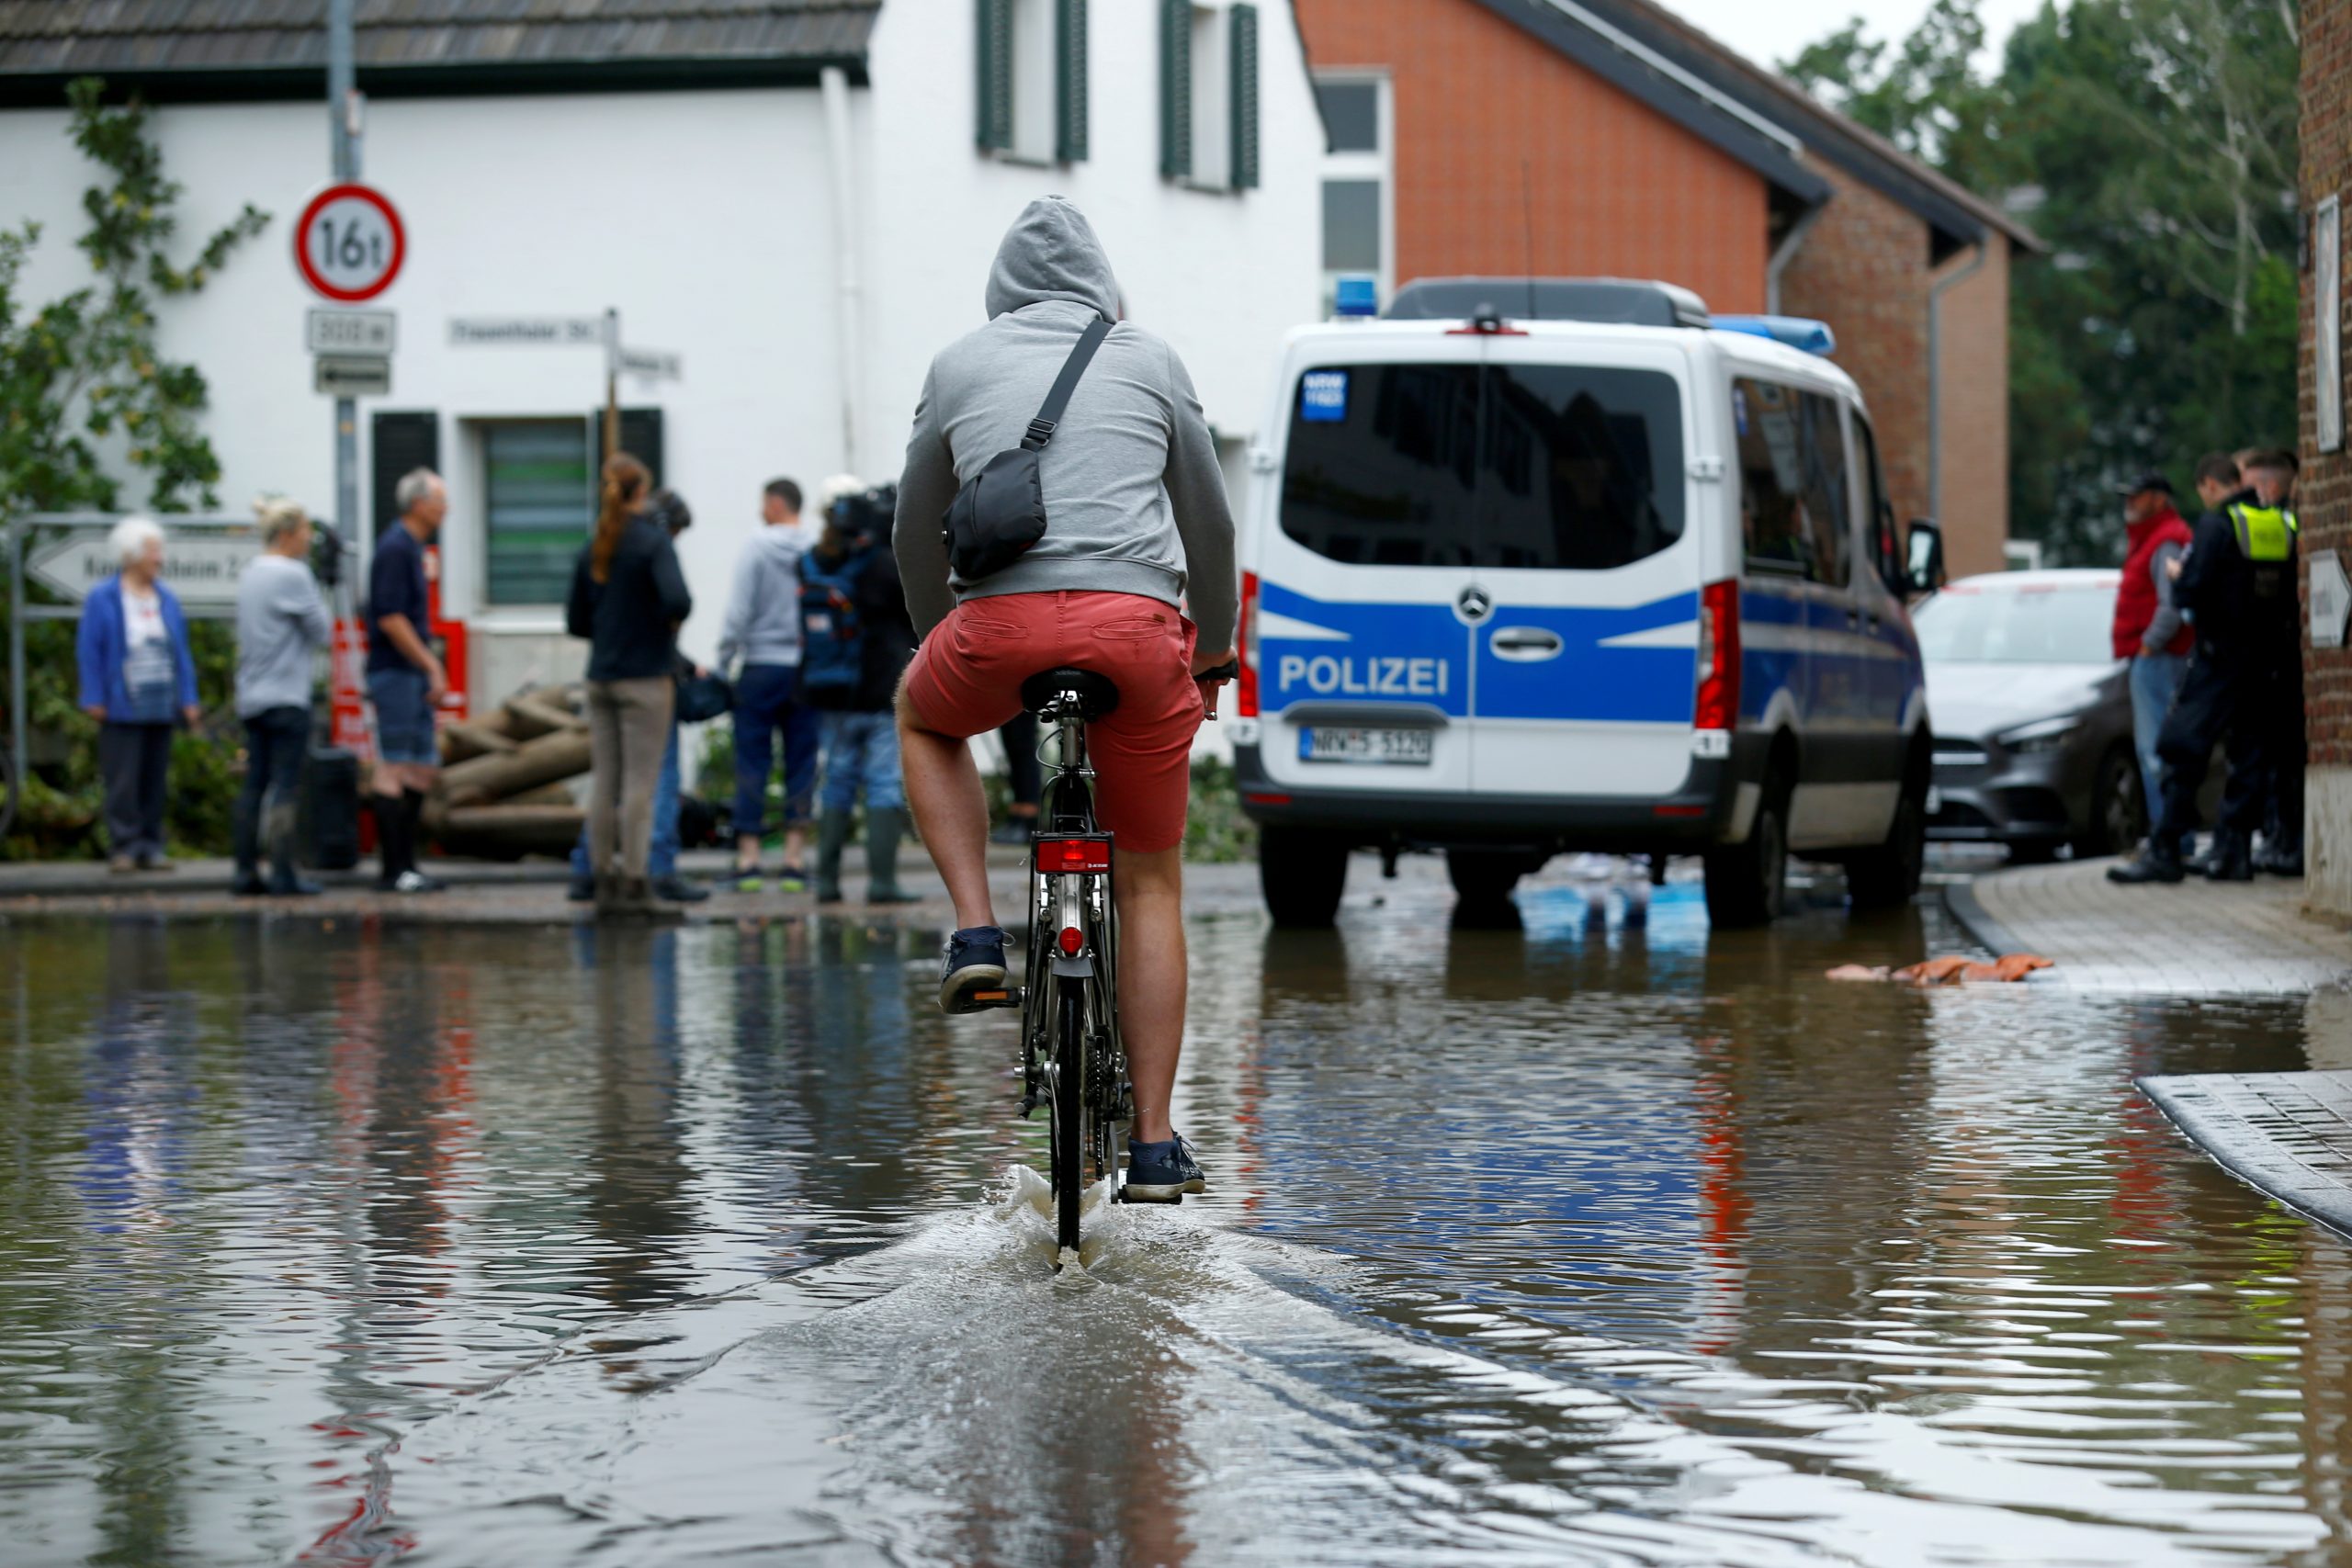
(1379, 164)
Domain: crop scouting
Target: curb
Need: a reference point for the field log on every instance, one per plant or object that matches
(2237, 1121)
(1960, 899)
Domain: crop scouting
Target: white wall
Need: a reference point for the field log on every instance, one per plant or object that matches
(707, 219)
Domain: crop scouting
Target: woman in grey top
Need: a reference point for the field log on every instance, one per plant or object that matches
(282, 626)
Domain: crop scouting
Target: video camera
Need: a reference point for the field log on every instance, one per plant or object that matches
(327, 550)
(865, 517)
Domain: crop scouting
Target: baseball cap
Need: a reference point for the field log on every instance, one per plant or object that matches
(2149, 480)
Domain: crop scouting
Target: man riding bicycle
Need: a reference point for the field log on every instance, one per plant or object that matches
(1138, 527)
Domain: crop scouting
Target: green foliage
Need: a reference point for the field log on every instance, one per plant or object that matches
(81, 382)
(2152, 144)
(1214, 829)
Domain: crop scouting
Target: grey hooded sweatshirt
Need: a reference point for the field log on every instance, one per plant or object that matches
(1134, 501)
(764, 609)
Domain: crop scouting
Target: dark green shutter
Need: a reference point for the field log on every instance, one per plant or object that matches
(1176, 89)
(1069, 81)
(402, 442)
(992, 48)
(1241, 25)
(640, 438)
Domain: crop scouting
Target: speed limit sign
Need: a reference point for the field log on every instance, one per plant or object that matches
(349, 243)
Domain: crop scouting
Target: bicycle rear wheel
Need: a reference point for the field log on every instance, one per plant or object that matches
(1070, 1107)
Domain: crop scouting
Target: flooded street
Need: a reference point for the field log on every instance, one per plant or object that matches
(1601, 1240)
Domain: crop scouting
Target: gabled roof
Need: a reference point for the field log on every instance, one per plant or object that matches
(259, 48)
(1703, 85)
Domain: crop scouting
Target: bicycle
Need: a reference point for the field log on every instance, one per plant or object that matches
(1073, 1060)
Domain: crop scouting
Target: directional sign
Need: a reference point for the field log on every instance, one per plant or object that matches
(350, 332)
(529, 331)
(350, 243)
(2331, 600)
(653, 364)
(201, 568)
(352, 374)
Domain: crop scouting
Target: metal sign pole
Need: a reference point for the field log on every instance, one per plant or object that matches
(16, 674)
(612, 391)
(343, 116)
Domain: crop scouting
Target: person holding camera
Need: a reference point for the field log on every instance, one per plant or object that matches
(282, 626)
(855, 641)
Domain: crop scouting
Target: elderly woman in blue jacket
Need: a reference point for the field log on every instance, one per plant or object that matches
(138, 683)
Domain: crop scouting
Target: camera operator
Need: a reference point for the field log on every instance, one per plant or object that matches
(856, 640)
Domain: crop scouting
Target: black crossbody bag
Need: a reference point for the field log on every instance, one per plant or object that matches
(1000, 511)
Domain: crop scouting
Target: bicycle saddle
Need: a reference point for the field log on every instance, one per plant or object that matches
(1096, 693)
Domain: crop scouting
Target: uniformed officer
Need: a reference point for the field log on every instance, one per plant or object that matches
(2237, 587)
(2271, 475)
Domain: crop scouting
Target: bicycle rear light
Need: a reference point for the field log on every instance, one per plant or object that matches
(1245, 686)
(1718, 702)
(1055, 855)
(1072, 939)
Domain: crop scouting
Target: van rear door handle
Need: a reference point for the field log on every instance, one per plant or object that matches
(1525, 645)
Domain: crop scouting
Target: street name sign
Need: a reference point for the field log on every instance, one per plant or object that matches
(2331, 600)
(653, 364)
(349, 331)
(527, 331)
(352, 374)
(201, 568)
(349, 243)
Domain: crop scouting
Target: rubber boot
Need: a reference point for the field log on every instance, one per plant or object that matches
(832, 834)
(884, 830)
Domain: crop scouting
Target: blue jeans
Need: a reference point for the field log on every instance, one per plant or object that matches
(2154, 679)
(664, 861)
(862, 749)
(763, 708)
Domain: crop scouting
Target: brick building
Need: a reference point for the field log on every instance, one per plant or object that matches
(2324, 494)
(1608, 138)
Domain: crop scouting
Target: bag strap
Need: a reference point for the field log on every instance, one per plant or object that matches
(1041, 429)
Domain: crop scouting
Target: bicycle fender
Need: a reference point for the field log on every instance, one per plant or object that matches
(1073, 969)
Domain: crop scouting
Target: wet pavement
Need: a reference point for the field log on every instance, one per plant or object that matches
(1600, 1240)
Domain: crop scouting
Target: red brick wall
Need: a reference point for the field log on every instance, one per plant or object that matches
(1862, 267)
(2323, 493)
(1619, 189)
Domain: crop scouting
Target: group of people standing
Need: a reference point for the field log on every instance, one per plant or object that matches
(2208, 616)
(816, 633)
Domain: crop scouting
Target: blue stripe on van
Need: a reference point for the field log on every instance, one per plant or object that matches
(1586, 680)
(1765, 672)
(1366, 653)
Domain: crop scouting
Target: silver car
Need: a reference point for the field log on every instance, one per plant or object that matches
(2032, 715)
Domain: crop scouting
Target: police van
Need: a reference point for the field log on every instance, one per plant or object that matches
(1544, 565)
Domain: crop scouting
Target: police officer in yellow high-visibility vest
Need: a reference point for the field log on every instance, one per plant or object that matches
(2271, 476)
(2238, 589)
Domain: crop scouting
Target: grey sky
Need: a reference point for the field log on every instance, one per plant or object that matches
(1770, 33)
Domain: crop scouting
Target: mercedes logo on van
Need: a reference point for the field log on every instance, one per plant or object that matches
(1474, 604)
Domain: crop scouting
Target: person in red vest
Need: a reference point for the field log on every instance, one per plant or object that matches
(2149, 630)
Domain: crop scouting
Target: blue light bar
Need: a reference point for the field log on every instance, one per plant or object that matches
(1356, 294)
(1797, 332)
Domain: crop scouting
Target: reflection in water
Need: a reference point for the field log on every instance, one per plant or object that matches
(1589, 1236)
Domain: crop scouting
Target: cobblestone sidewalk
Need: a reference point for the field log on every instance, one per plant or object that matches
(2198, 939)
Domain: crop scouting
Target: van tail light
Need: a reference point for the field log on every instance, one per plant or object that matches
(1245, 689)
(1057, 855)
(1718, 661)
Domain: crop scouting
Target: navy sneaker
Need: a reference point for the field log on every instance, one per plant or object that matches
(1163, 1173)
(973, 978)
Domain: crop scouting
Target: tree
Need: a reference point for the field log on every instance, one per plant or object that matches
(2153, 142)
(82, 381)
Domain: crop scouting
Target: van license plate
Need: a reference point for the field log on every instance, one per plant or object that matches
(1324, 744)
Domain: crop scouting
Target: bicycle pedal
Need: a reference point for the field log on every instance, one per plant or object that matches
(1003, 997)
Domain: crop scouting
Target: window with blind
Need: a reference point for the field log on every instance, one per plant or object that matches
(539, 500)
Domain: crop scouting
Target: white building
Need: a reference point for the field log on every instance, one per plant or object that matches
(799, 199)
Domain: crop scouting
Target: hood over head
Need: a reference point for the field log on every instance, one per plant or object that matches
(1050, 252)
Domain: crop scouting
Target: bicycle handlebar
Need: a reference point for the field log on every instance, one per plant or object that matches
(1210, 679)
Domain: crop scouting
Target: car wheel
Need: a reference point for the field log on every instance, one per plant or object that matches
(1302, 873)
(1746, 881)
(2119, 811)
(1887, 877)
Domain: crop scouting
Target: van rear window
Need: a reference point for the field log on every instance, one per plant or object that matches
(1538, 465)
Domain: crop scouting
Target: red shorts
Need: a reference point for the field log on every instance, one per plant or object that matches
(966, 681)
